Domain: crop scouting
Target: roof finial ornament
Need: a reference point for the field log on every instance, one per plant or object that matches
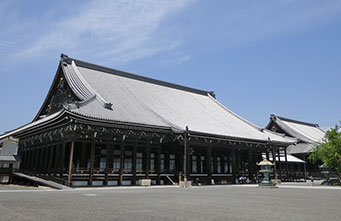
(65, 58)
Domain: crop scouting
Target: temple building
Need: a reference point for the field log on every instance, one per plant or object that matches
(103, 127)
(307, 135)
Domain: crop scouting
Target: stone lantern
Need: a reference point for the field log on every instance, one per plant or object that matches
(325, 172)
(266, 169)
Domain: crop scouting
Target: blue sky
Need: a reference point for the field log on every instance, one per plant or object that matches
(260, 57)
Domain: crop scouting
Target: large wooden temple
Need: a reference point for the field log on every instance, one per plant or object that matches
(103, 127)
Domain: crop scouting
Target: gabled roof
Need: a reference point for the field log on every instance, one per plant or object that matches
(116, 96)
(306, 132)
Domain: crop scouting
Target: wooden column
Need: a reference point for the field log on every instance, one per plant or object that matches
(147, 160)
(108, 163)
(33, 161)
(52, 152)
(122, 162)
(267, 154)
(214, 154)
(286, 164)
(208, 164)
(185, 155)
(158, 164)
(250, 164)
(92, 161)
(274, 162)
(234, 164)
(56, 158)
(279, 163)
(305, 166)
(83, 155)
(70, 164)
(41, 159)
(46, 159)
(62, 158)
(134, 162)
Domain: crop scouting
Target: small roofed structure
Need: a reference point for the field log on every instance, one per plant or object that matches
(9, 160)
(103, 127)
(307, 134)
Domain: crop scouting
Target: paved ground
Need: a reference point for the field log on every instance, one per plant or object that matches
(174, 203)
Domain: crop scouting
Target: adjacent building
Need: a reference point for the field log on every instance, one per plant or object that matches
(307, 134)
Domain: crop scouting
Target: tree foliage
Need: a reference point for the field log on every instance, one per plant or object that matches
(329, 150)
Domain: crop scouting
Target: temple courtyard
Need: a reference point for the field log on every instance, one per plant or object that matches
(291, 201)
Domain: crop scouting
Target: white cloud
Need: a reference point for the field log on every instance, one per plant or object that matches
(118, 31)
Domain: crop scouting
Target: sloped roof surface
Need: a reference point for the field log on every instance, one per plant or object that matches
(300, 148)
(306, 132)
(9, 158)
(149, 102)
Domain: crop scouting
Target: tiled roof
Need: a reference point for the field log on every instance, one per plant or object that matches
(306, 132)
(136, 99)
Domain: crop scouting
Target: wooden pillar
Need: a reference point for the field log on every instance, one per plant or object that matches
(158, 164)
(83, 163)
(70, 164)
(62, 158)
(92, 161)
(33, 161)
(208, 164)
(134, 162)
(286, 164)
(108, 163)
(279, 163)
(305, 166)
(274, 162)
(122, 162)
(250, 164)
(234, 164)
(41, 159)
(56, 158)
(46, 159)
(52, 152)
(148, 159)
(267, 154)
(214, 154)
(185, 155)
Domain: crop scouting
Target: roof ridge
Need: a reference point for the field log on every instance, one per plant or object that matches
(92, 66)
(295, 121)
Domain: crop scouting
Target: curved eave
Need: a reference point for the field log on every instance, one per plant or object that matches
(39, 124)
(239, 139)
(193, 133)
(122, 123)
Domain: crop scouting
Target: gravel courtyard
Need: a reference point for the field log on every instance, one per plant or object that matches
(172, 203)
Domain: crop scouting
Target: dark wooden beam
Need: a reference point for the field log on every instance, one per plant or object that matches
(158, 164)
(70, 164)
(147, 160)
(134, 162)
(234, 164)
(286, 164)
(62, 158)
(279, 163)
(92, 161)
(208, 163)
(122, 162)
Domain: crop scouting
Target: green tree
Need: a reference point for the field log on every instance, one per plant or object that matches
(329, 150)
